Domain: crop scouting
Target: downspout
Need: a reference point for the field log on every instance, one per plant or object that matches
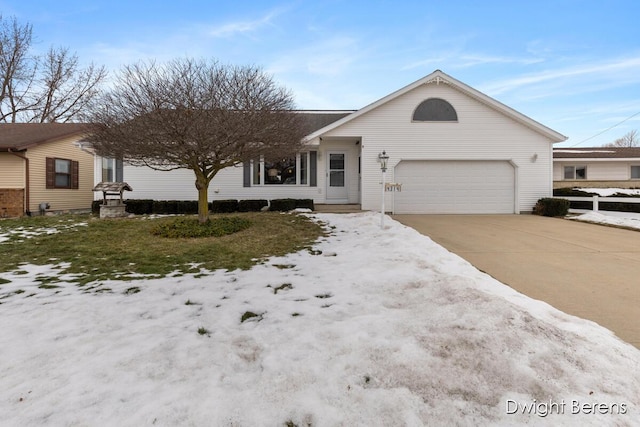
(26, 190)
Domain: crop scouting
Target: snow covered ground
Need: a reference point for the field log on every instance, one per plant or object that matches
(623, 219)
(370, 328)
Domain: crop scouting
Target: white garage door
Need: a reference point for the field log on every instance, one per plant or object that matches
(455, 187)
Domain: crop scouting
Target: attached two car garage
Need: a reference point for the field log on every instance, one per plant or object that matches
(455, 187)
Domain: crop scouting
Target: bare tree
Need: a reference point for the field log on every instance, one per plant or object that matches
(630, 139)
(48, 88)
(194, 114)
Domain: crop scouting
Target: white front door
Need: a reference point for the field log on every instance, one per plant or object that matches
(337, 177)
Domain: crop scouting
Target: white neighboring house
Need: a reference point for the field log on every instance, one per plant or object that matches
(453, 149)
(598, 167)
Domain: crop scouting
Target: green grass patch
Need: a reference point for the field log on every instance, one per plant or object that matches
(4, 281)
(248, 315)
(203, 331)
(189, 227)
(284, 286)
(118, 249)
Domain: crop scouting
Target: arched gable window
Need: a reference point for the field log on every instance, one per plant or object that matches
(435, 110)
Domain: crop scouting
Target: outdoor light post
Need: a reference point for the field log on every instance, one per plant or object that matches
(383, 167)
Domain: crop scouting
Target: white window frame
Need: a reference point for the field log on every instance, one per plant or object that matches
(259, 174)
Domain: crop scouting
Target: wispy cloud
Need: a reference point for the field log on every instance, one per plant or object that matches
(601, 70)
(329, 57)
(466, 60)
(244, 27)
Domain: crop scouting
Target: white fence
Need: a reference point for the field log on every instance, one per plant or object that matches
(597, 199)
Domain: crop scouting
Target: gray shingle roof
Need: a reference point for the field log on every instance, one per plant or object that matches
(316, 120)
(18, 136)
(596, 153)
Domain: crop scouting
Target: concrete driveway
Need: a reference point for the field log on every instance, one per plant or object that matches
(586, 270)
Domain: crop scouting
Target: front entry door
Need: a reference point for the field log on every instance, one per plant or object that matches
(337, 177)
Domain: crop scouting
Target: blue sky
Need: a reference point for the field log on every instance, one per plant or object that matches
(571, 65)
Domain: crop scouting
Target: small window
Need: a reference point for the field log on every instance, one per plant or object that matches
(111, 170)
(635, 172)
(61, 173)
(575, 172)
(435, 110)
(108, 170)
(256, 171)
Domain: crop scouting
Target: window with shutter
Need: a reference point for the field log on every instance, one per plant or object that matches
(62, 173)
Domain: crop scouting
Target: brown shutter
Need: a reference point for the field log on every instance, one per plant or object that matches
(51, 172)
(74, 174)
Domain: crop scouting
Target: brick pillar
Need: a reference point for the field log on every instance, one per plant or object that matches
(11, 202)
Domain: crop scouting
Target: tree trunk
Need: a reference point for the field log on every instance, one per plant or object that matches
(202, 184)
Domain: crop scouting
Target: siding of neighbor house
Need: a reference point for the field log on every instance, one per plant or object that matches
(597, 171)
(481, 133)
(13, 171)
(60, 199)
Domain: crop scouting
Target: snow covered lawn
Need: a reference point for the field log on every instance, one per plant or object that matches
(372, 327)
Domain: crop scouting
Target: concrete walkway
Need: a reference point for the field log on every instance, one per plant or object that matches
(586, 270)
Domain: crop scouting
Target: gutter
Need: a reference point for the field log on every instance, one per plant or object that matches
(26, 190)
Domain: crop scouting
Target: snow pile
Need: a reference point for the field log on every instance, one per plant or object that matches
(622, 219)
(370, 327)
(608, 192)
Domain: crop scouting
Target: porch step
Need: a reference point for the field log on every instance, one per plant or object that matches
(348, 208)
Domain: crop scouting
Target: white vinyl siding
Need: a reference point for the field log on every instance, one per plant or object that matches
(227, 184)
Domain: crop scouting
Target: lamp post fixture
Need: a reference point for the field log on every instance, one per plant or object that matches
(383, 157)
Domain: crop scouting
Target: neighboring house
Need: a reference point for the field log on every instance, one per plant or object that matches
(453, 149)
(598, 167)
(44, 163)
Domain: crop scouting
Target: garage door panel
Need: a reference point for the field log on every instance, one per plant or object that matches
(455, 187)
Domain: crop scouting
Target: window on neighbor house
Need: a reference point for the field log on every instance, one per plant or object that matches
(575, 172)
(635, 172)
(295, 170)
(61, 173)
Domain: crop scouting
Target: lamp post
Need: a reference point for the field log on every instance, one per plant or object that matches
(383, 157)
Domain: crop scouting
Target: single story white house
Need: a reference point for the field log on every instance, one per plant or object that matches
(452, 148)
(599, 167)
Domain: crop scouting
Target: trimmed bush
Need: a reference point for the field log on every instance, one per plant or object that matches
(190, 227)
(224, 206)
(164, 207)
(305, 204)
(283, 205)
(95, 207)
(252, 205)
(139, 206)
(572, 192)
(551, 207)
